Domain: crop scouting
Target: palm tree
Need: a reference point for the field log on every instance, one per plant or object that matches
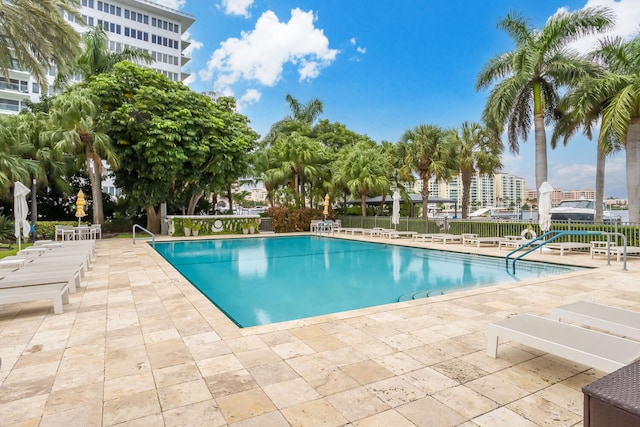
(532, 74)
(616, 90)
(363, 169)
(428, 151)
(96, 58)
(35, 35)
(301, 158)
(300, 120)
(478, 152)
(73, 118)
(13, 148)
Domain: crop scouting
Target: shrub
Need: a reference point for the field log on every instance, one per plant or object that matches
(6, 229)
(286, 220)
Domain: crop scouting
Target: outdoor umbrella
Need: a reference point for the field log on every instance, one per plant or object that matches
(80, 204)
(325, 212)
(20, 211)
(544, 206)
(395, 212)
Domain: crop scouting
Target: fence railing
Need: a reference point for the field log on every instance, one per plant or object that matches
(495, 228)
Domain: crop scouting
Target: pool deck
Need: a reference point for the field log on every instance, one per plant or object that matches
(139, 346)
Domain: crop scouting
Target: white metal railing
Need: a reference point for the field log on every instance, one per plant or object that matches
(153, 236)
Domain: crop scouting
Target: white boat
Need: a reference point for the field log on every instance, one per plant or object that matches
(579, 210)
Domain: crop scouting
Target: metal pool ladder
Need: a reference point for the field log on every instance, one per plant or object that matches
(153, 236)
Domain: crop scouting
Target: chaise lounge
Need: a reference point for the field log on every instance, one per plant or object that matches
(616, 320)
(58, 293)
(594, 349)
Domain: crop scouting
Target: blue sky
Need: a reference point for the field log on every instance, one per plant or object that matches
(380, 68)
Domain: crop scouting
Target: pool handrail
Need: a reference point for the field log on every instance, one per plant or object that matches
(153, 236)
(556, 234)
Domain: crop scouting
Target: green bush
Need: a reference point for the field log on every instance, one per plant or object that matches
(286, 220)
(6, 230)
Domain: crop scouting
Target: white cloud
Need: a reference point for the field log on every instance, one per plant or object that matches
(261, 54)
(251, 96)
(361, 50)
(173, 4)
(237, 7)
(195, 45)
(353, 41)
(627, 22)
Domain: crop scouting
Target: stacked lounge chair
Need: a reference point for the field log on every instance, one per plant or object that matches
(48, 274)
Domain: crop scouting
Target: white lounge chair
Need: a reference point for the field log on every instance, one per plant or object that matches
(15, 279)
(616, 320)
(390, 234)
(58, 293)
(598, 248)
(595, 349)
(425, 237)
(475, 240)
(566, 246)
(444, 238)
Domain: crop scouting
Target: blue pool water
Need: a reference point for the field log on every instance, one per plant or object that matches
(266, 280)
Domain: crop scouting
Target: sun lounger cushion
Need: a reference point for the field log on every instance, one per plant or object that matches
(611, 319)
(58, 293)
(595, 349)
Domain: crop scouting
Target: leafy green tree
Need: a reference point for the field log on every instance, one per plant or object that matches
(531, 75)
(165, 134)
(75, 130)
(364, 169)
(616, 90)
(429, 151)
(301, 158)
(267, 168)
(300, 119)
(35, 36)
(96, 57)
(335, 135)
(14, 164)
(478, 152)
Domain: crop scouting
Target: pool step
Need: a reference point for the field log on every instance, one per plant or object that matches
(425, 293)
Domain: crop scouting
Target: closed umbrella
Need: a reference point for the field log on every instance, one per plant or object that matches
(20, 211)
(395, 211)
(544, 206)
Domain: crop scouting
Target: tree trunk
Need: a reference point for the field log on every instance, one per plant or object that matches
(541, 150)
(95, 179)
(425, 197)
(600, 165)
(363, 203)
(193, 202)
(153, 219)
(466, 191)
(633, 169)
(34, 209)
(230, 197)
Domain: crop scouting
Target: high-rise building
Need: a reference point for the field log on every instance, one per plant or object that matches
(137, 24)
(499, 190)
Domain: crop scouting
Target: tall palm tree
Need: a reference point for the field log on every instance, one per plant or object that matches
(617, 91)
(96, 58)
(478, 151)
(300, 119)
(35, 35)
(73, 118)
(364, 170)
(429, 151)
(531, 75)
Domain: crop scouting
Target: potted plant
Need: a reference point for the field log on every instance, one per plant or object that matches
(253, 227)
(186, 226)
(245, 227)
(195, 227)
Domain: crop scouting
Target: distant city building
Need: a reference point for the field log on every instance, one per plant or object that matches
(499, 190)
(137, 24)
(559, 195)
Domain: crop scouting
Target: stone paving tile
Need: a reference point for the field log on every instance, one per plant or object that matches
(139, 346)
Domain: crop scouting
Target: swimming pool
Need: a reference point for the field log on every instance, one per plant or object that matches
(272, 279)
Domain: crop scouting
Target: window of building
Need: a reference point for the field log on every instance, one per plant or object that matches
(9, 104)
(146, 37)
(35, 87)
(176, 28)
(146, 19)
(112, 9)
(126, 31)
(100, 6)
(153, 38)
(118, 11)
(139, 35)
(133, 15)
(153, 22)
(112, 27)
(164, 25)
(126, 13)
(140, 17)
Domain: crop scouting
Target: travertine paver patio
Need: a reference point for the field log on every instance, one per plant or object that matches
(139, 346)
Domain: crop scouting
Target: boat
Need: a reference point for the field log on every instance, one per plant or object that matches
(580, 210)
(491, 212)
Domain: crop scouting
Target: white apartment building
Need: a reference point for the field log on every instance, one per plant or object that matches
(139, 24)
(499, 190)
